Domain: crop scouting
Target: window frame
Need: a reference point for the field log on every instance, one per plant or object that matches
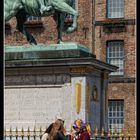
(117, 118)
(107, 10)
(107, 58)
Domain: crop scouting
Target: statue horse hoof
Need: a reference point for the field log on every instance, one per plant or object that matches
(33, 41)
(60, 42)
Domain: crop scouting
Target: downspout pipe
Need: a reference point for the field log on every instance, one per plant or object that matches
(93, 26)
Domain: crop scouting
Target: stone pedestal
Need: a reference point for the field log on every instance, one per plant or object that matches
(41, 85)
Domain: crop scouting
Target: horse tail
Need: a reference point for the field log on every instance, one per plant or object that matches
(73, 27)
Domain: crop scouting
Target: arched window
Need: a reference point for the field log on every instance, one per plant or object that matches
(115, 55)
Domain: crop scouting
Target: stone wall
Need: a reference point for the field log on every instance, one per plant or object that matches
(40, 103)
(30, 106)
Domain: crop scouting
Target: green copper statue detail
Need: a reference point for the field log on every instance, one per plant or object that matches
(42, 8)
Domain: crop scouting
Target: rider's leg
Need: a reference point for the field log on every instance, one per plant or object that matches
(59, 19)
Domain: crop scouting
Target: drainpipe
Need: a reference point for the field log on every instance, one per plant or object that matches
(93, 26)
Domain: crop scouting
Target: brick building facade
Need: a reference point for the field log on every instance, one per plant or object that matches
(113, 30)
(103, 32)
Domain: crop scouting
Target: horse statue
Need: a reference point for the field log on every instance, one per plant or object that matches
(21, 9)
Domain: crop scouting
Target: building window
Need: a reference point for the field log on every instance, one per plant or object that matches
(115, 115)
(115, 8)
(115, 56)
(32, 18)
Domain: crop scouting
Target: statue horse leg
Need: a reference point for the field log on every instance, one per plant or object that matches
(59, 19)
(59, 30)
(21, 18)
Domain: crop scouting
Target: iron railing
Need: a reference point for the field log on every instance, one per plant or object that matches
(36, 134)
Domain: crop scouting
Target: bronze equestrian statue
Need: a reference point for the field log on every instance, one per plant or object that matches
(23, 8)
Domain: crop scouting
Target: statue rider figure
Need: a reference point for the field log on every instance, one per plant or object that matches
(44, 8)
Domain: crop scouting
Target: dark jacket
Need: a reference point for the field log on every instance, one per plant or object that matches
(60, 136)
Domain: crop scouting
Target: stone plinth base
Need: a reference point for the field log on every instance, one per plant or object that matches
(54, 51)
(40, 86)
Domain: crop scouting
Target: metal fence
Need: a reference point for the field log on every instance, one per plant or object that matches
(36, 134)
